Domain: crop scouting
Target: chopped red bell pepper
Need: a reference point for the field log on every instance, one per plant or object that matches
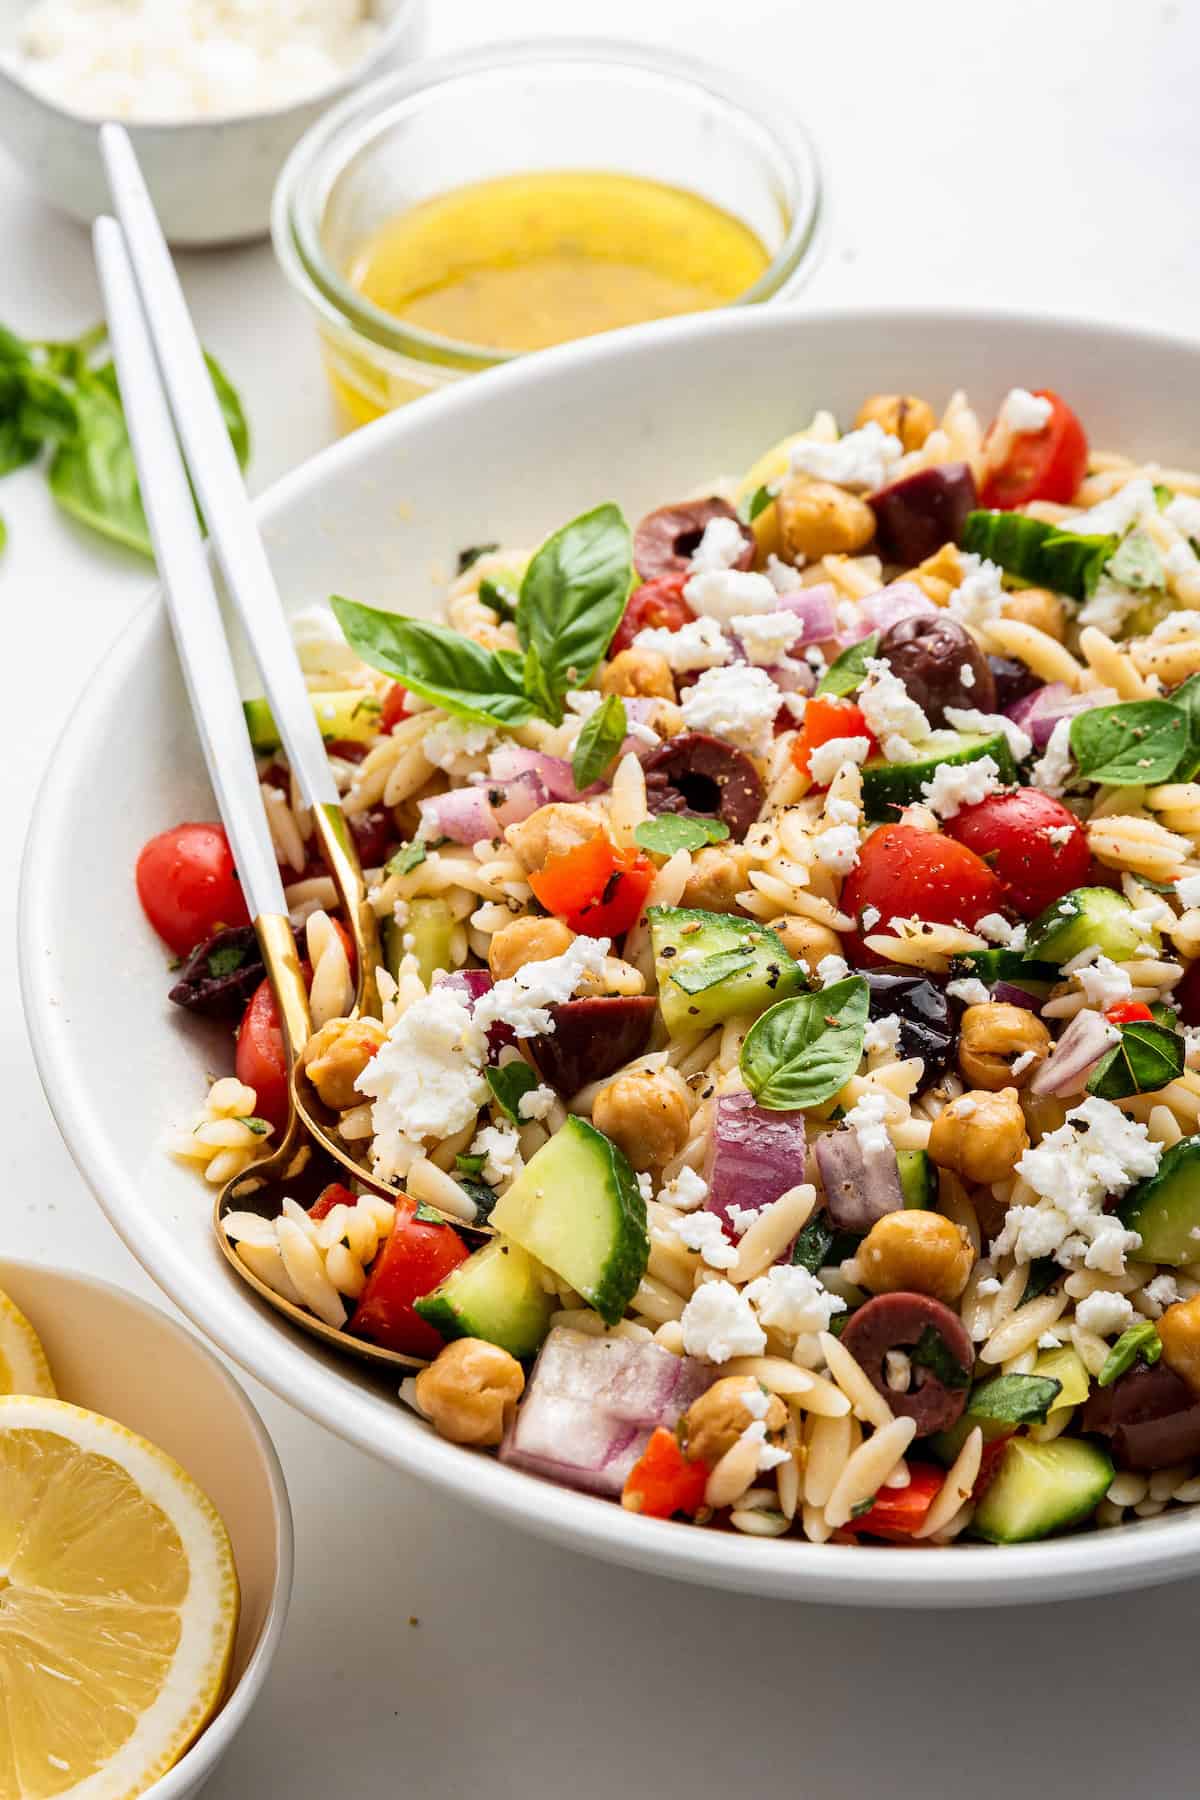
(594, 887)
(827, 717)
(329, 1197)
(394, 708)
(663, 1482)
(1129, 1012)
(899, 1512)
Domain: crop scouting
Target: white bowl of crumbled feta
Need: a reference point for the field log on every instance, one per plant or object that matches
(381, 516)
(214, 93)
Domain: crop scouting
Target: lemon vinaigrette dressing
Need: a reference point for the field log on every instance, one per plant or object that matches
(526, 261)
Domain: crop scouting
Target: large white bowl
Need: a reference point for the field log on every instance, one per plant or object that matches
(643, 416)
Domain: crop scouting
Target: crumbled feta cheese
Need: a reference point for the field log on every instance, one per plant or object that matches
(1060, 834)
(1021, 412)
(1022, 1062)
(968, 718)
(1053, 771)
(1103, 983)
(646, 1186)
(1109, 605)
(1188, 889)
(718, 1322)
(703, 1231)
(523, 1001)
(769, 1455)
(720, 593)
(956, 785)
(789, 1300)
(741, 1218)
(837, 848)
(979, 595)
(882, 1034)
(720, 546)
(784, 578)
(988, 1286)
(868, 1117)
(871, 916)
(1105, 1314)
(831, 969)
(843, 812)
(687, 1190)
(896, 720)
(536, 1103)
(814, 656)
(1183, 512)
(699, 644)
(997, 929)
(825, 761)
(969, 990)
(738, 704)
(966, 676)
(321, 643)
(767, 637)
(1096, 1155)
(426, 1079)
(861, 460)
(1162, 1291)
(1049, 1340)
(1131, 503)
(501, 1147)
(966, 1105)
(455, 745)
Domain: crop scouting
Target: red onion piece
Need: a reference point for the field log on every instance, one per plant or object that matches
(464, 815)
(1038, 713)
(1078, 1050)
(815, 607)
(900, 600)
(793, 677)
(1005, 994)
(860, 1185)
(756, 1155)
(522, 796)
(475, 983)
(511, 761)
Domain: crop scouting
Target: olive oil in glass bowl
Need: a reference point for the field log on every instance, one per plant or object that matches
(489, 205)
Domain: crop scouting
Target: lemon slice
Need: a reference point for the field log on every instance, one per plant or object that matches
(23, 1365)
(118, 1606)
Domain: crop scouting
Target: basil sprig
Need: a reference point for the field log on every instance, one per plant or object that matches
(803, 1050)
(1134, 742)
(602, 736)
(670, 832)
(932, 1352)
(1148, 1056)
(1140, 1340)
(572, 599)
(509, 1086)
(407, 858)
(1138, 563)
(846, 674)
(1015, 1399)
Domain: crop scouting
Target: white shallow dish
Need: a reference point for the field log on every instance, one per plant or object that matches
(642, 416)
(211, 179)
(117, 1356)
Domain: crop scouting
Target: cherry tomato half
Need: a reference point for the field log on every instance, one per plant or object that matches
(1129, 1012)
(898, 1512)
(329, 1197)
(394, 708)
(188, 886)
(415, 1257)
(1040, 465)
(663, 1482)
(904, 873)
(656, 605)
(260, 1060)
(1035, 846)
(594, 887)
(825, 718)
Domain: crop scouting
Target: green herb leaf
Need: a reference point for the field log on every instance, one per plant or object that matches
(226, 958)
(1140, 1340)
(406, 859)
(801, 1051)
(811, 1248)
(48, 408)
(260, 1127)
(602, 736)
(1133, 742)
(236, 423)
(440, 665)
(93, 476)
(509, 1085)
(485, 1197)
(470, 556)
(1015, 1399)
(846, 674)
(573, 597)
(1187, 698)
(698, 977)
(758, 502)
(1043, 1273)
(1148, 1056)
(1163, 496)
(932, 1352)
(1137, 563)
(429, 1215)
(861, 1507)
(497, 593)
(670, 832)
(16, 446)
(469, 1165)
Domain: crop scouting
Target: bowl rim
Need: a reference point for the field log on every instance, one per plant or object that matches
(1091, 1563)
(198, 1762)
(406, 14)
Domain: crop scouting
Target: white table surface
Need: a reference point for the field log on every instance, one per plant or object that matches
(1030, 154)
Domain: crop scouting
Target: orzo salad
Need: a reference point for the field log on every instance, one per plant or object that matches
(791, 911)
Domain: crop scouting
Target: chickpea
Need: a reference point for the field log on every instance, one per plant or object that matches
(1179, 1329)
(818, 519)
(552, 831)
(526, 941)
(980, 1135)
(470, 1393)
(336, 1056)
(806, 940)
(633, 673)
(905, 416)
(646, 1114)
(992, 1037)
(714, 1423)
(939, 574)
(1037, 606)
(717, 878)
(916, 1252)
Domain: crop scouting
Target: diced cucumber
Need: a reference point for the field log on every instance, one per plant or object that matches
(990, 966)
(498, 1295)
(946, 1445)
(576, 1206)
(1165, 1209)
(1086, 916)
(1040, 554)
(888, 786)
(430, 924)
(918, 1179)
(1041, 1488)
(351, 717)
(712, 965)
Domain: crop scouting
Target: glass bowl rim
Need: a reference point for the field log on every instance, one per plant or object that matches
(325, 149)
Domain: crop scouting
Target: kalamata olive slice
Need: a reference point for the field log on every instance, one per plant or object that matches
(1013, 679)
(374, 835)
(927, 1017)
(918, 514)
(592, 1038)
(936, 1396)
(221, 974)
(931, 657)
(696, 773)
(1151, 1416)
(665, 541)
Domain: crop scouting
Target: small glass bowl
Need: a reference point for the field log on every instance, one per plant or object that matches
(510, 109)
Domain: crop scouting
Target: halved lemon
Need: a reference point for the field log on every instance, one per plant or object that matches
(23, 1365)
(118, 1606)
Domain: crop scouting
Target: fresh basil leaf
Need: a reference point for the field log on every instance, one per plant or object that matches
(846, 674)
(3, 534)
(1187, 697)
(469, 1165)
(1148, 1056)
(1137, 563)
(801, 1051)
(93, 476)
(602, 736)
(811, 1248)
(1140, 1340)
(259, 1127)
(14, 350)
(17, 447)
(1015, 1399)
(509, 1085)
(573, 597)
(698, 977)
(406, 859)
(1133, 742)
(1163, 496)
(48, 409)
(226, 958)
(758, 502)
(236, 423)
(932, 1352)
(497, 593)
(485, 1197)
(670, 832)
(441, 665)
(1043, 1273)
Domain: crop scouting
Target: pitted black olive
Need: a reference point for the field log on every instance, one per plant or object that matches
(927, 1017)
(940, 664)
(1013, 681)
(1150, 1415)
(665, 541)
(696, 773)
(919, 513)
(592, 1038)
(221, 974)
(936, 1341)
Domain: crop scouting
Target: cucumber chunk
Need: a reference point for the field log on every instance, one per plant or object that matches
(576, 1206)
(497, 1295)
(430, 924)
(1165, 1209)
(1041, 1488)
(1038, 553)
(1013, 966)
(712, 965)
(918, 1179)
(1086, 916)
(351, 717)
(888, 785)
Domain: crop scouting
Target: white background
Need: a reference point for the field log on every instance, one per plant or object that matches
(1032, 154)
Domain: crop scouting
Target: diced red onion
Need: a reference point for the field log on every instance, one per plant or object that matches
(511, 761)
(860, 1185)
(1038, 713)
(464, 815)
(1005, 994)
(1078, 1050)
(900, 600)
(522, 796)
(815, 608)
(793, 677)
(475, 983)
(756, 1155)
